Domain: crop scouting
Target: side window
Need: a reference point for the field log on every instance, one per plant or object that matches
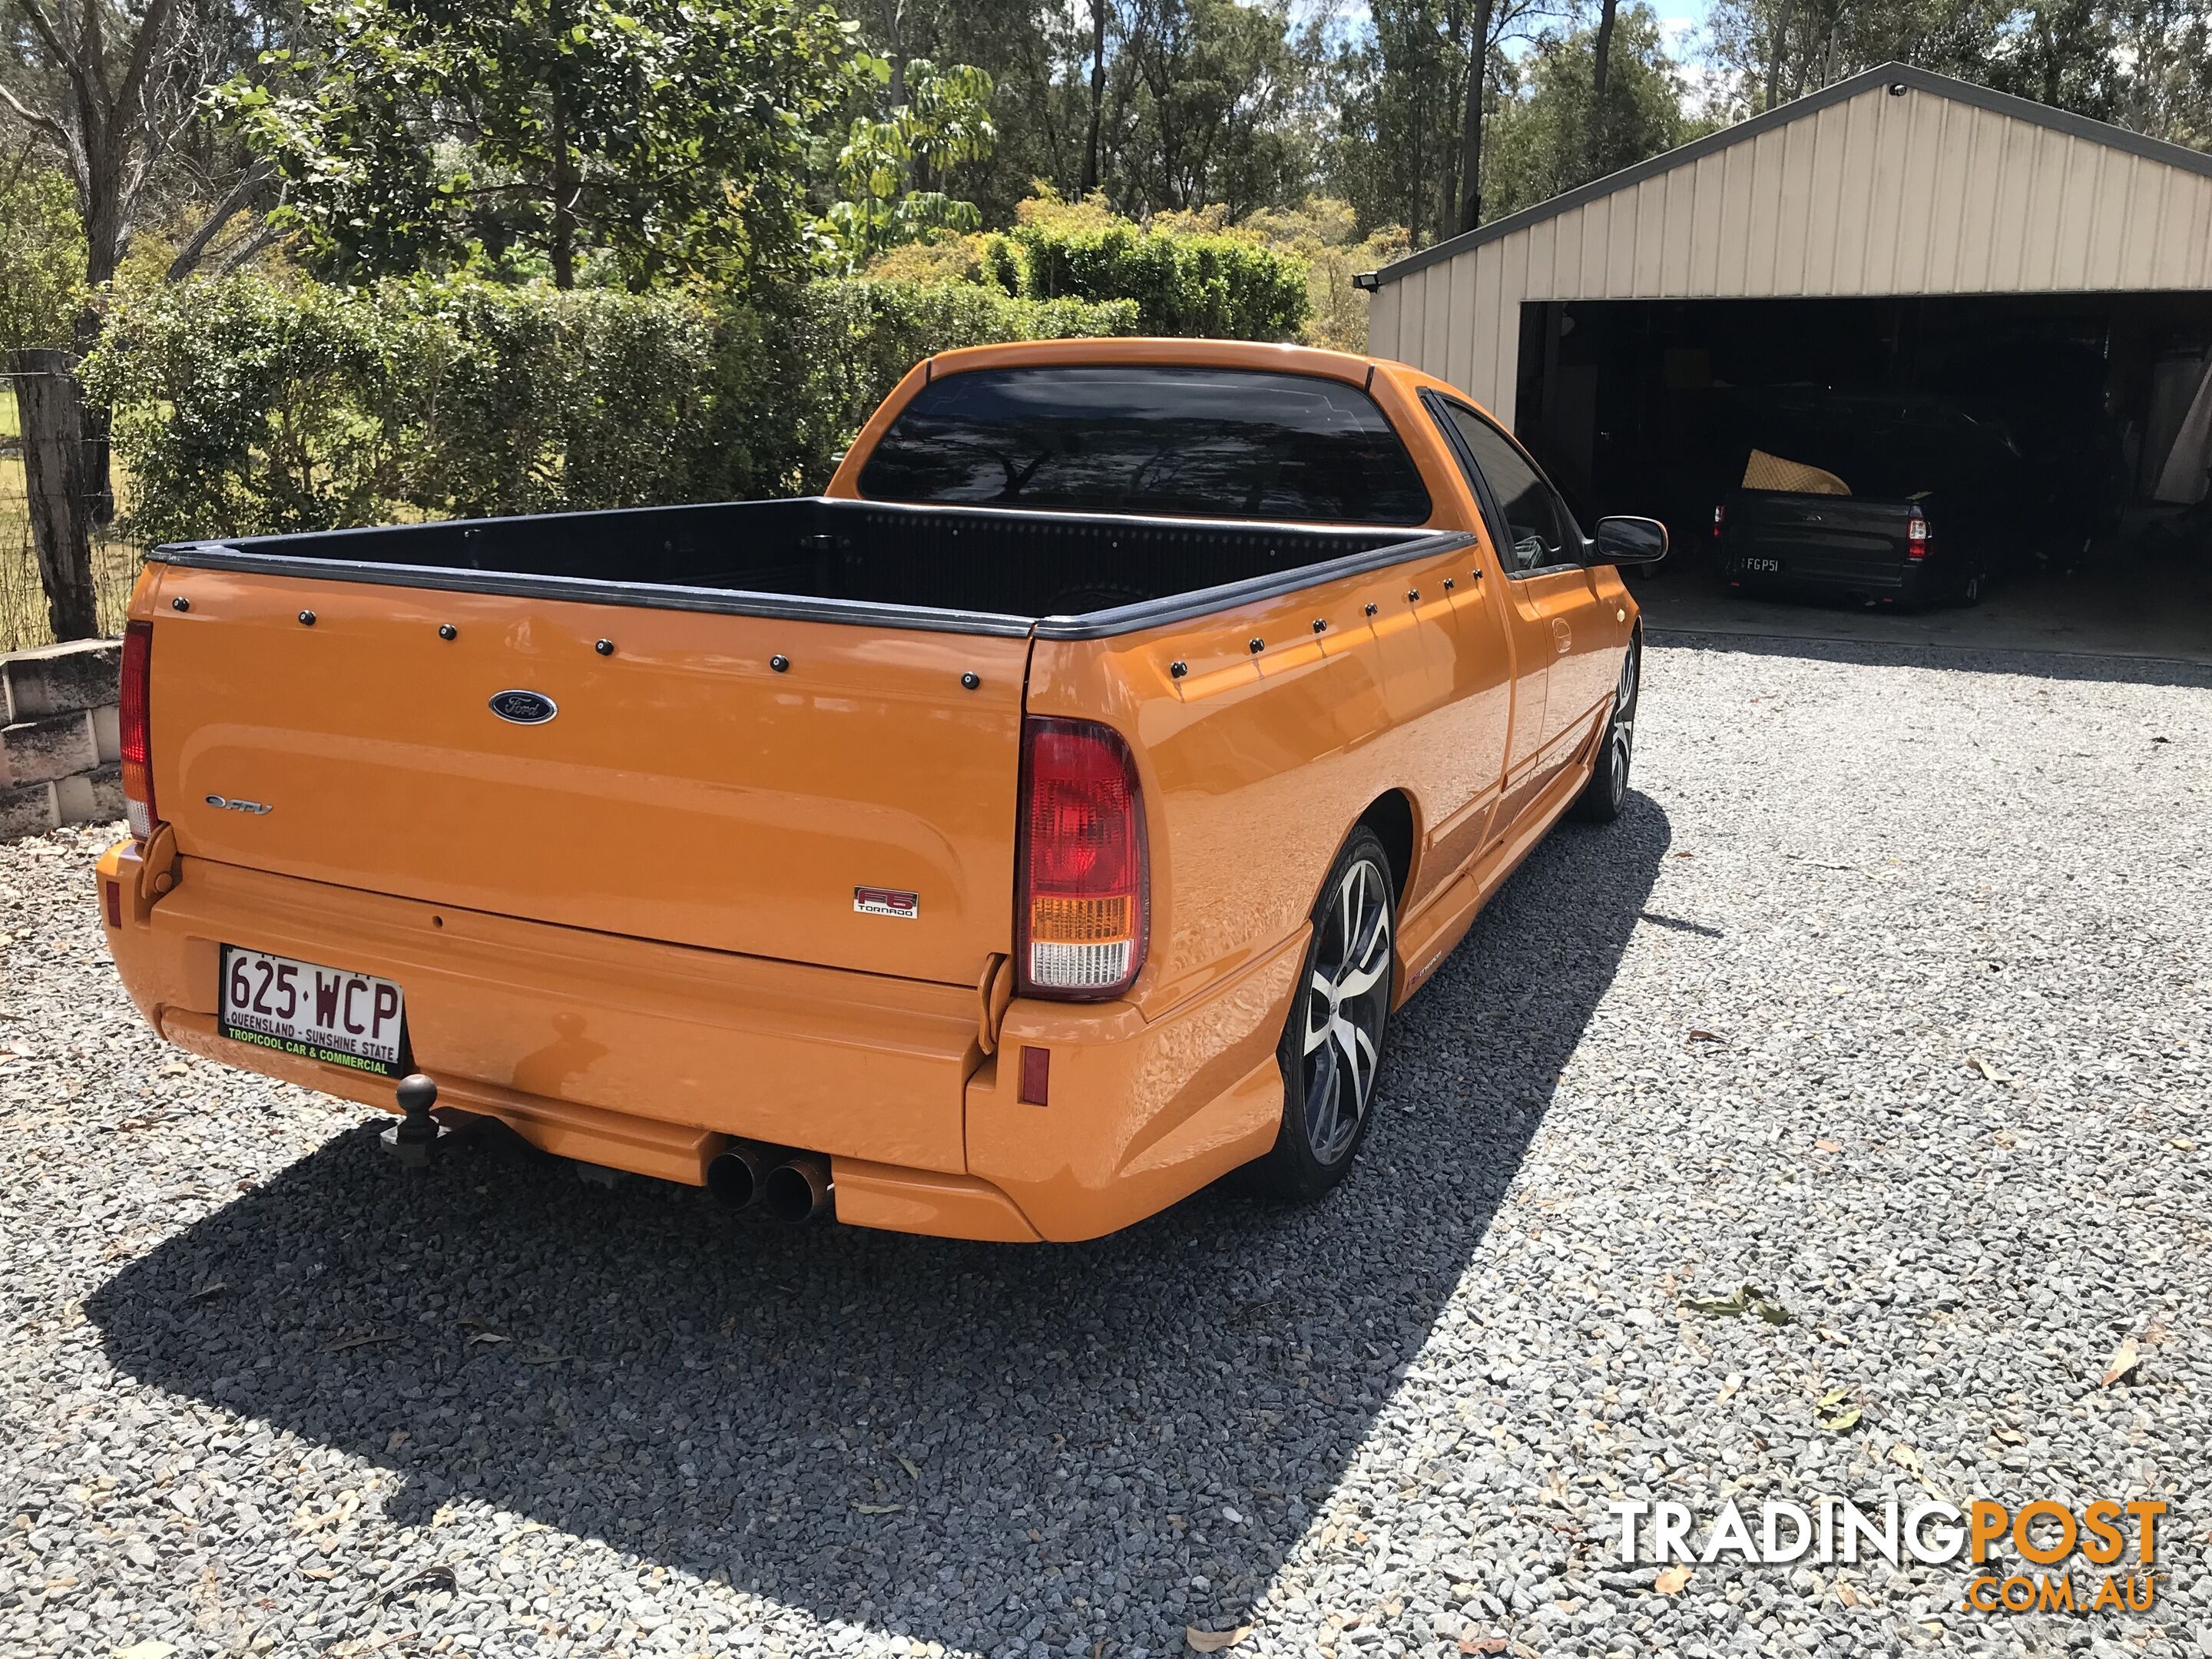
(1539, 531)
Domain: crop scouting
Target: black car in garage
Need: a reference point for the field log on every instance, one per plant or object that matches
(1888, 500)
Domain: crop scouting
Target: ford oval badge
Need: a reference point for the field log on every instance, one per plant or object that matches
(524, 708)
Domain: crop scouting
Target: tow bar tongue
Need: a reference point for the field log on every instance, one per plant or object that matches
(412, 1139)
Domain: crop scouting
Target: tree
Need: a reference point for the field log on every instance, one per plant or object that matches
(106, 91)
(889, 171)
(666, 137)
(1542, 141)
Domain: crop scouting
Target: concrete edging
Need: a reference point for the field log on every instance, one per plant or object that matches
(59, 736)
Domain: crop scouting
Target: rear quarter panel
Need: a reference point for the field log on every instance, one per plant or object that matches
(1255, 765)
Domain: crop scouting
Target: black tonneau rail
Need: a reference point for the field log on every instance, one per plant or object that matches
(944, 570)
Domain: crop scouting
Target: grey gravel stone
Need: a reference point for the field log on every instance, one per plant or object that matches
(1888, 995)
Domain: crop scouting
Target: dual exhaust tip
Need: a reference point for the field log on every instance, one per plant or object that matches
(793, 1187)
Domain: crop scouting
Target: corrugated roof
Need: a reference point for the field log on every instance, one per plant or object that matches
(1892, 75)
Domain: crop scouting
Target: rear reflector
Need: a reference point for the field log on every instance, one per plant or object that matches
(1084, 881)
(112, 897)
(1036, 1077)
(135, 741)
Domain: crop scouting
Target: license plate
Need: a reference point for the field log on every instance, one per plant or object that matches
(1774, 565)
(330, 1014)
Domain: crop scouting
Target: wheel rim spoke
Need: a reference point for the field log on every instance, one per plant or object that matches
(1346, 995)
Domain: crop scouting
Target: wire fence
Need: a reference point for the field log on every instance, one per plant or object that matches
(22, 598)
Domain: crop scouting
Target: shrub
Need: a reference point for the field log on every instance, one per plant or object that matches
(244, 406)
(1214, 284)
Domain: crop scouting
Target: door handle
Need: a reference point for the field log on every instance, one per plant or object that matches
(1560, 632)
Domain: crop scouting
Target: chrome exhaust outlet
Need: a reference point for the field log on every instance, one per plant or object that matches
(798, 1190)
(735, 1175)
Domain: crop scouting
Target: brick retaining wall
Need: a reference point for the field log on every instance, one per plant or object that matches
(57, 738)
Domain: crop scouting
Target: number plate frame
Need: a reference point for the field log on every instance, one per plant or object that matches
(304, 1037)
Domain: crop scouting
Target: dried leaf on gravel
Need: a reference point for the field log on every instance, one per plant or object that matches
(1849, 1597)
(1826, 1146)
(1747, 1299)
(1706, 1036)
(370, 1340)
(1470, 1643)
(907, 1464)
(147, 1649)
(2122, 1364)
(1213, 1641)
(1988, 1070)
(879, 1509)
(1835, 1413)
(1671, 1580)
(1905, 1457)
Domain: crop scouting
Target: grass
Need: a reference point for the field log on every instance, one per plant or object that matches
(23, 601)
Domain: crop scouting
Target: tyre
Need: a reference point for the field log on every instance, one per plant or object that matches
(1601, 799)
(1331, 1046)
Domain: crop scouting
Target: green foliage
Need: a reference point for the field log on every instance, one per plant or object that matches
(243, 406)
(1539, 142)
(41, 260)
(886, 171)
(1213, 284)
(666, 137)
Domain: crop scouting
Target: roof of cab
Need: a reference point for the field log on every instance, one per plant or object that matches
(1183, 353)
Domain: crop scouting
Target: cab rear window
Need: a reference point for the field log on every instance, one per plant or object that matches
(1166, 442)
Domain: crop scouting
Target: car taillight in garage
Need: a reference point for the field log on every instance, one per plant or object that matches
(1720, 521)
(1085, 886)
(1918, 545)
(135, 741)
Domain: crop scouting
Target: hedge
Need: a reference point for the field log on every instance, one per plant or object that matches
(243, 406)
(1190, 285)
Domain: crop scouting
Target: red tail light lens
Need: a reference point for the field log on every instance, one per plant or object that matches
(1084, 885)
(135, 740)
(1918, 544)
(1720, 521)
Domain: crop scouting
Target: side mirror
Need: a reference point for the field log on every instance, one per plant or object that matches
(1628, 541)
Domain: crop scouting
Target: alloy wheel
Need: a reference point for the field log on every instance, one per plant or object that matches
(1347, 999)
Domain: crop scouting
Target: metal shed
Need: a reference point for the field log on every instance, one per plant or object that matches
(1898, 239)
(1894, 182)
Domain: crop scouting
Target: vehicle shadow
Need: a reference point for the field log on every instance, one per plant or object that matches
(710, 1394)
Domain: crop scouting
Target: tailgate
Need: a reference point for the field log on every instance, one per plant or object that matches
(682, 790)
(1816, 536)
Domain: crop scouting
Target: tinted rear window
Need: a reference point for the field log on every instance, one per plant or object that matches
(1174, 442)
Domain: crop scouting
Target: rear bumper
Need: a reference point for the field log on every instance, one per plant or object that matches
(1896, 580)
(650, 1057)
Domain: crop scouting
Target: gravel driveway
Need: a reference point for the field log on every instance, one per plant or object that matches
(1888, 995)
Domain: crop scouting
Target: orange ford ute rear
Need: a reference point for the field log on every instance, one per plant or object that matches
(1039, 825)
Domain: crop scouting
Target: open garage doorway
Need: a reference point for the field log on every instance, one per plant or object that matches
(2085, 418)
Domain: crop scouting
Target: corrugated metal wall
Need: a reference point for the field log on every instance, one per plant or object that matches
(1875, 194)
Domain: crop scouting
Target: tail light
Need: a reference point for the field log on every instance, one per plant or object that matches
(1918, 544)
(1085, 886)
(1720, 521)
(135, 741)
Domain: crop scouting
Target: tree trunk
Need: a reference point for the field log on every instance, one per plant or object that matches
(1600, 150)
(564, 248)
(1774, 58)
(59, 484)
(1098, 96)
(1470, 139)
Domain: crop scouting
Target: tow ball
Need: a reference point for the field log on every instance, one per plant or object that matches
(413, 1138)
